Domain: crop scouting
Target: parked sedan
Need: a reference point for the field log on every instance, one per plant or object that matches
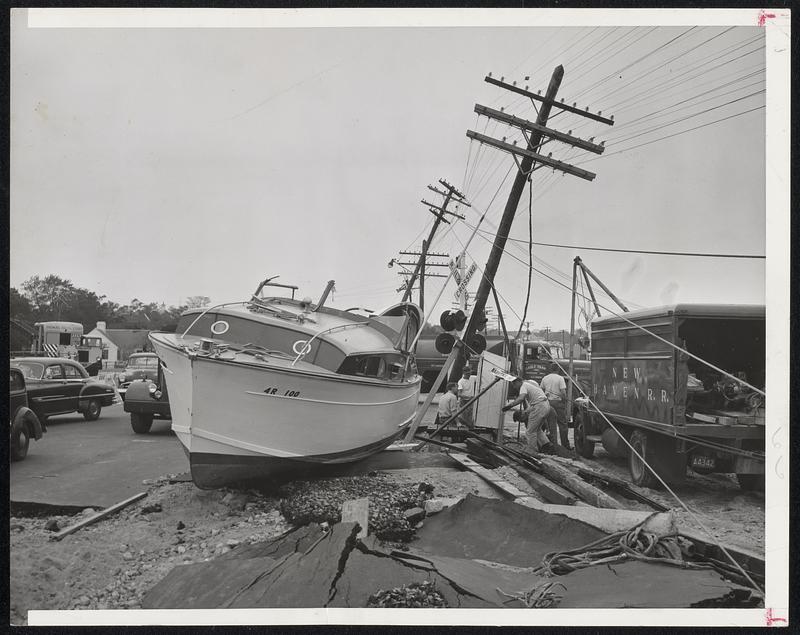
(24, 425)
(146, 399)
(139, 366)
(60, 386)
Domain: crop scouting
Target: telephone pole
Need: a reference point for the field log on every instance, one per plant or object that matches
(439, 211)
(534, 133)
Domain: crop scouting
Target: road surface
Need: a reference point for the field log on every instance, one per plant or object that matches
(80, 463)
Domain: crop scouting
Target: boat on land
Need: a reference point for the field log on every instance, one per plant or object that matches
(275, 385)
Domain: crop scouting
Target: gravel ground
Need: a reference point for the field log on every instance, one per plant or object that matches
(111, 564)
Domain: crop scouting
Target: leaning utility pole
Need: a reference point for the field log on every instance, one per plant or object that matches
(439, 212)
(534, 134)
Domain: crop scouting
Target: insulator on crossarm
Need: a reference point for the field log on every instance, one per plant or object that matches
(526, 87)
(599, 112)
(574, 103)
(587, 109)
(539, 92)
(504, 138)
(591, 139)
(570, 132)
(603, 144)
(490, 74)
(502, 78)
(527, 78)
(502, 108)
(612, 117)
(514, 83)
(562, 100)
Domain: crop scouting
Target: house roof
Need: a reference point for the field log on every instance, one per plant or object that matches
(126, 339)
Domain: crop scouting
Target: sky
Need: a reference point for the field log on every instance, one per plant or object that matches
(162, 163)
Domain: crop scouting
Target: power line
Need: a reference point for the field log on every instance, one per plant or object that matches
(632, 251)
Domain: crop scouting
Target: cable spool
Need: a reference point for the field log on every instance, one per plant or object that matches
(444, 343)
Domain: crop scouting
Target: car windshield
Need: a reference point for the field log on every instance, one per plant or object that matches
(143, 362)
(31, 370)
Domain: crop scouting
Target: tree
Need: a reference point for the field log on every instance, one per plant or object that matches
(48, 296)
(19, 307)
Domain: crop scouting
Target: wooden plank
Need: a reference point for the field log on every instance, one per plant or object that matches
(489, 476)
(356, 510)
(547, 489)
(571, 481)
(95, 517)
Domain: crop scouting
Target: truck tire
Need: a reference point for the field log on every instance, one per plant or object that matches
(751, 482)
(141, 422)
(92, 412)
(583, 447)
(640, 474)
(20, 440)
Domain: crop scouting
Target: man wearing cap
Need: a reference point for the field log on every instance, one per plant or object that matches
(537, 410)
(555, 388)
(466, 391)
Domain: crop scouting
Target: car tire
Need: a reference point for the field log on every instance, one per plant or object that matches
(583, 447)
(92, 412)
(141, 423)
(751, 482)
(20, 440)
(640, 474)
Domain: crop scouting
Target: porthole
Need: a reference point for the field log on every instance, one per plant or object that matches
(220, 327)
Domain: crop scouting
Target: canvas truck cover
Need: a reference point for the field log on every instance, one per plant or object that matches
(643, 378)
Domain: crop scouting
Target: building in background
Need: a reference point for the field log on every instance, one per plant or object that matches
(118, 344)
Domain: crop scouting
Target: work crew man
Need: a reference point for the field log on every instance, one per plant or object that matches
(555, 388)
(466, 391)
(448, 404)
(537, 410)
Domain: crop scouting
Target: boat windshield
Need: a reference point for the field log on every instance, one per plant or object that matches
(143, 362)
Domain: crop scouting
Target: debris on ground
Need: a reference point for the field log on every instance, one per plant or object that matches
(306, 502)
(411, 596)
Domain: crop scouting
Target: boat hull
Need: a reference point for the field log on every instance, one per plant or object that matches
(243, 421)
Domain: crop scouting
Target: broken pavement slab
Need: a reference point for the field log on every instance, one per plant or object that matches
(635, 584)
(500, 531)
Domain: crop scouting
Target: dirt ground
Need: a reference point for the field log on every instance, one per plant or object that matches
(112, 563)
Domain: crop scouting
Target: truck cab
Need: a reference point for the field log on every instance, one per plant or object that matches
(683, 385)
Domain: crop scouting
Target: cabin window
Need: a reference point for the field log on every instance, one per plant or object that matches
(385, 366)
(64, 339)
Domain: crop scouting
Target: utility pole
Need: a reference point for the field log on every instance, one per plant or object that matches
(487, 280)
(535, 134)
(439, 211)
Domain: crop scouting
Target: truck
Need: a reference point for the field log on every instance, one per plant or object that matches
(63, 339)
(684, 386)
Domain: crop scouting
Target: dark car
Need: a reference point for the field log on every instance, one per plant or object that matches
(139, 366)
(146, 399)
(59, 386)
(24, 424)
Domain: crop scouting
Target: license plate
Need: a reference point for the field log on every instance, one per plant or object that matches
(704, 461)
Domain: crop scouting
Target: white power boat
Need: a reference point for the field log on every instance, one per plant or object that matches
(273, 384)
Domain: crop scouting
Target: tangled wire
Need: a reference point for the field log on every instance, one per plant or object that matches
(635, 544)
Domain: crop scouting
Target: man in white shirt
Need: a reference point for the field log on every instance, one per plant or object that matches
(448, 404)
(466, 391)
(555, 388)
(537, 410)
